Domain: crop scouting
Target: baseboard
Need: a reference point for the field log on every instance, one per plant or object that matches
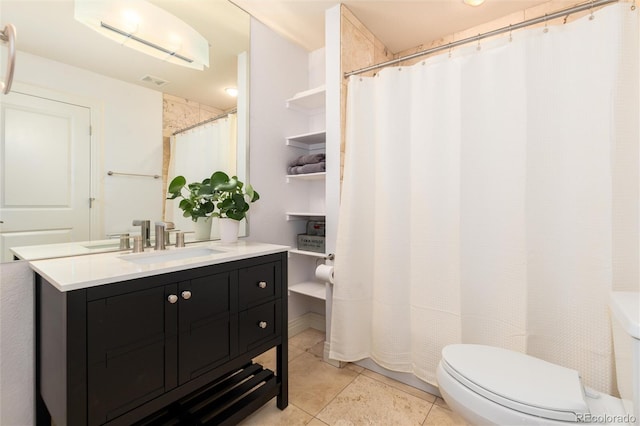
(316, 321)
(308, 320)
(406, 378)
(325, 357)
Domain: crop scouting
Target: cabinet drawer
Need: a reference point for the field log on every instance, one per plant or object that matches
(259, 284)
(259, 325)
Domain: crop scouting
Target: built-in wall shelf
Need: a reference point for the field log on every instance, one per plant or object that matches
(307, 176)
(303, 215)
(310, 141)
(310, 288)
(308, 253)
(309, 100)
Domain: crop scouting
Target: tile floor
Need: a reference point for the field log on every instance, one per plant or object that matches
(320, 394)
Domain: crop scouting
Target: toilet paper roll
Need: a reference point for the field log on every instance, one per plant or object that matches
(325, 273)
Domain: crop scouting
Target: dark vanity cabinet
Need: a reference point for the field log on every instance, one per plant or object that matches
(175, 348)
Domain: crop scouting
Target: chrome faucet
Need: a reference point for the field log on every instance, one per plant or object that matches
(145, 231)
(124, 240)
(161, 229)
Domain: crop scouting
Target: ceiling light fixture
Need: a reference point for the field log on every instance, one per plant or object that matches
(146, 28)
(231, 91)
(473, 2)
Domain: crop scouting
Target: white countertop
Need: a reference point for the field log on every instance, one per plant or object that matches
(77, 248)
(48, 251)
(77, 272)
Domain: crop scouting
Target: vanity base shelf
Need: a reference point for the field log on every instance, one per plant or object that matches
(225, 402)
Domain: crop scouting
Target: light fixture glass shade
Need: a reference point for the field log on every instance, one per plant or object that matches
(473, 2)
(147, 28)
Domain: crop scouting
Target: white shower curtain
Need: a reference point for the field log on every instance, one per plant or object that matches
(196, 154)
(492, 197)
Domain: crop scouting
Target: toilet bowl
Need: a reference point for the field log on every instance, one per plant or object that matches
(489, 385)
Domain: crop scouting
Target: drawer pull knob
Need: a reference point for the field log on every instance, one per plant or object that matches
(172, 298)
(262, 284)
(186, 295)
(262, 324)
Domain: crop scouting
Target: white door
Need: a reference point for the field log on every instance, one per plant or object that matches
(44, 172)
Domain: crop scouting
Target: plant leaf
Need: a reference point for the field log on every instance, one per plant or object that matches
(207, 207)
(177, 184)
(231, 185)
(205, 189)
(241, 204)
(235, 216)
(218, 178)
(252, 193)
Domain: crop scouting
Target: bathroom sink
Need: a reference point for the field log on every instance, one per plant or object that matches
(103, 246)
(169, 255)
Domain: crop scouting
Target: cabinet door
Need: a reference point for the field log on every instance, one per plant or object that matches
(208, 324)
(131, 349)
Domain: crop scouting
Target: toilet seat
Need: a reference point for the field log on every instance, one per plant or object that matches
(517, 381)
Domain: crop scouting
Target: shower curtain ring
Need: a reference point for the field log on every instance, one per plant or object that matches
(478, 47)
(591, 17)
(510, 33)
(546, 28)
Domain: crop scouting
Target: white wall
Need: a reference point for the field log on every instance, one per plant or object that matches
(17, 375)
(279, 69)
(130, 138)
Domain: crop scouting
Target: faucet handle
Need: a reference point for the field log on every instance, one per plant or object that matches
(124, 239)
(145, 232)
(138, 244)
(180, 239)
(161, 228)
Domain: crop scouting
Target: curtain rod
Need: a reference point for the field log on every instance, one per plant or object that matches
(112, 173)
(209, 120)
(528, 22)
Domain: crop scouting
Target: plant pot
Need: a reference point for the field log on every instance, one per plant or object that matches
(229, 230)
(202, 228)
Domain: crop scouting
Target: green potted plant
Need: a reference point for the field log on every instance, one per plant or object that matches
(198, 203)
(232, 199)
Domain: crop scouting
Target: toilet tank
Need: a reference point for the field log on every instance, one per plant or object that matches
(625, 318)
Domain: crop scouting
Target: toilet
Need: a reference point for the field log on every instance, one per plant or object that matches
(487, 385)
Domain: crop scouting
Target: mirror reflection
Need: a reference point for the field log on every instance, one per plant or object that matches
(87, 144)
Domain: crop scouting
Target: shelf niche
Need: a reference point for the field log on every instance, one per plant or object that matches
(310, 100)
(313, 289)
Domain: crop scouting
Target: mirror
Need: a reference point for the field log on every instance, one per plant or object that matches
(130, 103)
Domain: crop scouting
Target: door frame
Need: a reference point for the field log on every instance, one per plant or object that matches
(96, 137)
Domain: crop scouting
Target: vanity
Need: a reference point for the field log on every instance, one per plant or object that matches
(163, 337)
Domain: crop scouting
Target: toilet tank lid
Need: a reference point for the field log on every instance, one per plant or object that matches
(519, 381)
(625, 307)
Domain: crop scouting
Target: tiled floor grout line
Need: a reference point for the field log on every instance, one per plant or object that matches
(308, 348)
(428, 412)
(336, 395)
(304, 411)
